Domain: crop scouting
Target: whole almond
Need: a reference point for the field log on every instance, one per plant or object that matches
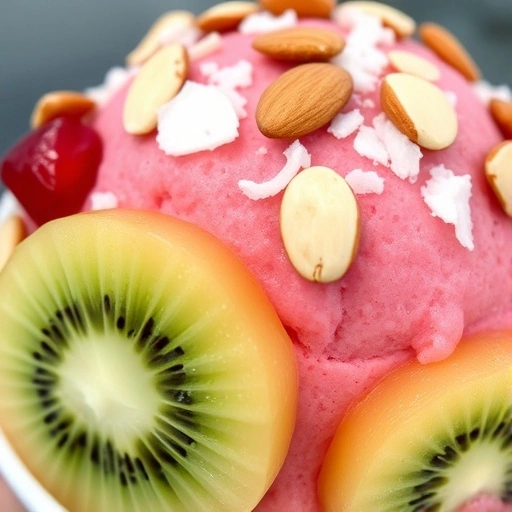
(407, 62)
(302, 100)
(320, 224)
(449, 49)
(157, 82)
(304, 8)
(58, 103)
(12, 232)
(178, 21)
(225, 16)
(498, 170)
(300, 44)
(420, 110)
(502, 113)
(402, 24)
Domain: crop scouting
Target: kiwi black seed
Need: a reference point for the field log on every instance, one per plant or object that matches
(130, 379)
(480, 445)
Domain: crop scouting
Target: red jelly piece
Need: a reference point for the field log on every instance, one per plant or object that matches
(52, 169)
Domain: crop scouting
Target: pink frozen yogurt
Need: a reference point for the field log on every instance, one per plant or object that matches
(417, 284)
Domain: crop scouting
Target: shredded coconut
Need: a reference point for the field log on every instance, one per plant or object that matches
(368, 103)
(200, 117)
(114, 80)
(208, 68)
(297, 157)
(452, 97)
(209, 44)
(361, 56)
(367, 144)
(180, 34)
(261, 22)
(344, 125)
(404, 155)
(447, 196)
(262, 151)
(9, 206)
(487, 92)
(227, 79)
(365, 182)
(239, 75)
(103, 201)
(237, 100)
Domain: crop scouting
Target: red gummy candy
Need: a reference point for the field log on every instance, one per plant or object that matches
(52, 169)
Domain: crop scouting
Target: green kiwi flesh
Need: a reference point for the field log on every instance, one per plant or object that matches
(129, 378)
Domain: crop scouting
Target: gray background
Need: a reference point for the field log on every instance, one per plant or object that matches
(70, 44)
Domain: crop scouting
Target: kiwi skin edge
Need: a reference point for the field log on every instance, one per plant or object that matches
(162, 236)
(408, 420)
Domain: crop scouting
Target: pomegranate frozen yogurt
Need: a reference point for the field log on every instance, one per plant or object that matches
(293, 288)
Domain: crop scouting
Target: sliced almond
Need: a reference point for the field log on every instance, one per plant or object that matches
(407, 62)
(157, 82)
(225, 16)
(302, 100)
(178, 21)
(402, 24)
(12, 232)
(300, 44)
(209, 44)
(502, 113)
(450, 49)
(303, 8)
(420, 110)
(498, 170)
(320, 224)
(59, 103)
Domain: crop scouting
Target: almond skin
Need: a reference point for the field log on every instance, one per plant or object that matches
(158, 81)
(302, 100)
(58, 103)
(300, 44)
(150, 44)
(502, 114)
(449, 49)
(225, 16)
(303, 8)
(420, 110)
(498, 171)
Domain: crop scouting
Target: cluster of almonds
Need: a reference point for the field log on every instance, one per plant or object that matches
(302, 100)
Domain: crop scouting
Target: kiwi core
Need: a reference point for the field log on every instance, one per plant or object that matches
(479, 470)
(104, 382)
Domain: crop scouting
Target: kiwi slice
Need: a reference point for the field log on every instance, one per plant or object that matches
(428, 437)
(142, 367)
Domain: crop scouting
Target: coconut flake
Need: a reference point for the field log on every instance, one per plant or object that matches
(447, 196)
(451, 97)
(200, 117)
(344, 125)
(115, 79)
(297, 158)
(361, 56)
(9, 206)
(261, 22)
(487, 92)
(227, 79)
(208, 68)
(103, 201)
(179, 34)
(262, 150)
(237, 100)
(239, 75)
(404, 155)
(209, 44)
(365, 182)
(368, 144)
